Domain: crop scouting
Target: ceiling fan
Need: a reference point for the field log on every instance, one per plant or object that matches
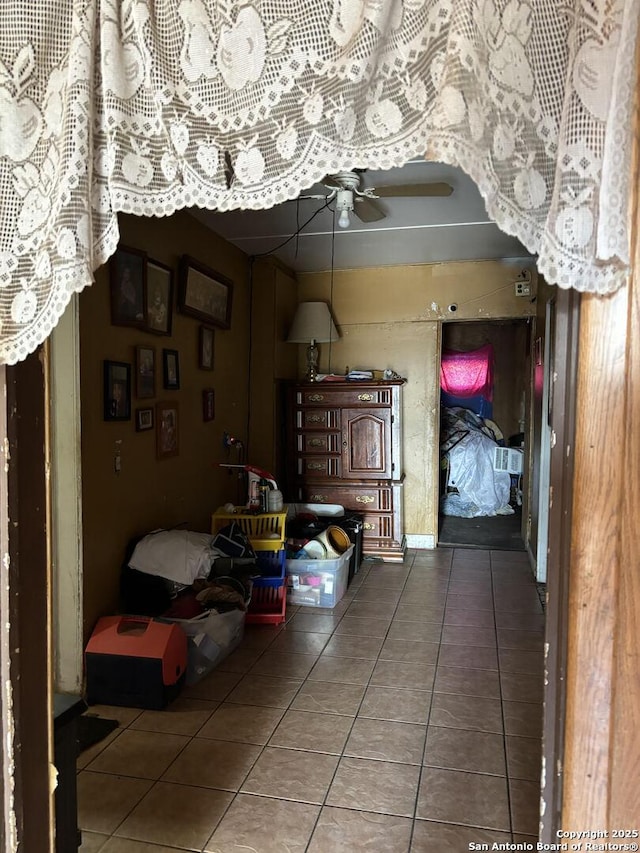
(351, 197)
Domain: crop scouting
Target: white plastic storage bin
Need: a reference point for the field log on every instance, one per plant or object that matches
(317, 583)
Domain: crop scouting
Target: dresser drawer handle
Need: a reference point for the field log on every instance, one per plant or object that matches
(316, 442)
(365, 397)
(316, 398)
(315, 466)
(315, 419)
(318, 499)
(365, 499)
(368, 526)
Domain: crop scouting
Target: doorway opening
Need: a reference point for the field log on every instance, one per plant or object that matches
(484, 405)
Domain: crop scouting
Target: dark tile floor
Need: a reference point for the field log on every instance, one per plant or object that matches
(408, 718)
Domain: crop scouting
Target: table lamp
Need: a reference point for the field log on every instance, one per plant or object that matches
(312, 324)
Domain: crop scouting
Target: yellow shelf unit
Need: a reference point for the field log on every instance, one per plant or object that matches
(265, 530)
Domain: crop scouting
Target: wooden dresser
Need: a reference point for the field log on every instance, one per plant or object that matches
(345, 447)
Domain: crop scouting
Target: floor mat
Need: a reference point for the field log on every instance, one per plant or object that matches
(92, 730)
(499, 532)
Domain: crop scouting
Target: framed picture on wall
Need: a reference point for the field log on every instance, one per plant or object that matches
(159, 296)
(166, 430)
(117, 390)
(144, 419)
(205, 348)
(208, 404)
(204, 293)
(170, 369)
(145, 372)
(128, 271)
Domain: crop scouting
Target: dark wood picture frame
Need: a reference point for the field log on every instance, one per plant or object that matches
(117, 390)
(144, 419)
(128, 279)
(170, 369)
(208, 404)
(159, 298)
(204, 293)
(145, 372)
(167, 434)
(206, 343)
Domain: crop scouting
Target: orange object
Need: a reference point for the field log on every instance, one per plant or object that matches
(136, 661)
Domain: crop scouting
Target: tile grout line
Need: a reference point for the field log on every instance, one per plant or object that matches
(426, 734)
(502, 713)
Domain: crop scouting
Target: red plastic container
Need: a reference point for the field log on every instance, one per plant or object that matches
(268, 603)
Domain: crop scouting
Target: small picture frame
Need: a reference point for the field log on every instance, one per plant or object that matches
(208, 404)
(128, 275)
(159, 298)
(117, 391)
(166, 430)
(144, 419)
(205, 348)
(170, 369)
(145, 372)
(204, 293)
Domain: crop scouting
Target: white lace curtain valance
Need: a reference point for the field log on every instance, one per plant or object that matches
(148, 106)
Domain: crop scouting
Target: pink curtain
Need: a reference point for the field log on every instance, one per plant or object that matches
(468, 374)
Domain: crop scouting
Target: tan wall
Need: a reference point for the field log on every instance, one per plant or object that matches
(391, 317)
(150, 493)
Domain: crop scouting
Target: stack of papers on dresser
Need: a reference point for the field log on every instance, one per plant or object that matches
(360, 374)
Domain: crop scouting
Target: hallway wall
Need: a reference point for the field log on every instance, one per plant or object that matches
(147, 492)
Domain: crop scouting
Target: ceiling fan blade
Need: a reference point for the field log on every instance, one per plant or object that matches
(330, 181)
(397, 190)
(367, 210)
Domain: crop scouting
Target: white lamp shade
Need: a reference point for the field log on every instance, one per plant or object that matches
(312, 322)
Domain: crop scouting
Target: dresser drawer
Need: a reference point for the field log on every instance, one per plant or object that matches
(376, 526)
(360, 497)
(319, 468)
(318, 419)
(349, 397)
(318, 442)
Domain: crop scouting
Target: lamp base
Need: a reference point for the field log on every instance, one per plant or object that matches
(312, 362)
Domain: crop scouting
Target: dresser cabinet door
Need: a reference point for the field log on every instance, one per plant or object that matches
(366, 444)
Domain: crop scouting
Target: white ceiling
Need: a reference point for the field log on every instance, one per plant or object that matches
(414, 231)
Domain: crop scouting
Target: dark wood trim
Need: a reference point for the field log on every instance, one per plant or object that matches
(11, 768)
(29, 591)
(563, 371)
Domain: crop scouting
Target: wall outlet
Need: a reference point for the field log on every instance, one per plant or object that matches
(523, 288)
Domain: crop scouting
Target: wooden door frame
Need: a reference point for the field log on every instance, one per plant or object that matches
(527, 456)
(25, 656)
(602, 738)
(561, 474)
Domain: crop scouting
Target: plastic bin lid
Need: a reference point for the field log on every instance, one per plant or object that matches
(317, 509)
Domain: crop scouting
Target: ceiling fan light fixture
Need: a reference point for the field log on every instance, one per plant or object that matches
(344, 206)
